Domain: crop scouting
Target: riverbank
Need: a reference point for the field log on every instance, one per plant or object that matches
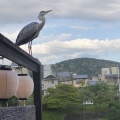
(90, 112)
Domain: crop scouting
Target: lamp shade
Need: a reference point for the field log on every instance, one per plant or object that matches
(8, 82)
(25, 88)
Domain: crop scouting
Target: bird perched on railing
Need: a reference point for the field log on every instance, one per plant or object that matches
(31, 31)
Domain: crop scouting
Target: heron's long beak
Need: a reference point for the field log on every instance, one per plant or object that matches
(48, 11)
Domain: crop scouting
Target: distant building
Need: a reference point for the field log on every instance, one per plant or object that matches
(64, 77)
(18, 69)
(47, 70)
(95, 78)
(104, 71)
(80, 80)
(110, 75)
(49, 82)
(112, 78)
(113, 70)
(94, 82)
(88, 102)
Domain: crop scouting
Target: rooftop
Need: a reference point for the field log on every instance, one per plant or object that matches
(64, 74)
(80, 76)
(50, 77)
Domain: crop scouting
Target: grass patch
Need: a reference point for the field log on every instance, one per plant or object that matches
(94, 108)
(53, 115)
(60, 114)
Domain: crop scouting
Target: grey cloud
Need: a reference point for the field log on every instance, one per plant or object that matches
(82, 27)
(61, 50)
(90, 55)
(18, 11)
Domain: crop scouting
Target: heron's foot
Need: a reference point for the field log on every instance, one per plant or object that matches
(1, 57)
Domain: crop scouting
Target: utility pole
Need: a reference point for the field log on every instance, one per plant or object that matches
(118, 82)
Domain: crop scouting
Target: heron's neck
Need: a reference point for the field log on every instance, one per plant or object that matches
(42, 23)
(42, 18)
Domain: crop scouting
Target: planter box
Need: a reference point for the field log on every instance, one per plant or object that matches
(18, 113)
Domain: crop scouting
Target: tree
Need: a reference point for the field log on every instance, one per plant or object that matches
(13, 101)
(99, 93)
(62, 96)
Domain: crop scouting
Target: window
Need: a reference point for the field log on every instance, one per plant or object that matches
(52, 81)
(78, 81)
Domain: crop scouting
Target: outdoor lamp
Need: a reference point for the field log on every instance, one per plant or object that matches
(25, 88)
(8, 82)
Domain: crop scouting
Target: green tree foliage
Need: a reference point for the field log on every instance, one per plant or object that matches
(30, 100)
(99, 93)
(62, 96)
(13, 101)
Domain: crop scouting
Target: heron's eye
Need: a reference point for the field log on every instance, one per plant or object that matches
(42, 12)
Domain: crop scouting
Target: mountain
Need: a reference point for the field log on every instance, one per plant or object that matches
(88, 66)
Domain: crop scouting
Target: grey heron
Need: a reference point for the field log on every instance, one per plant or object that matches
(31, 31)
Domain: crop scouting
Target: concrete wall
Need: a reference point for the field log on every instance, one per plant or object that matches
(18, 113)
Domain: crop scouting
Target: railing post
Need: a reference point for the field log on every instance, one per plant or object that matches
(12, 52)
(38, 93)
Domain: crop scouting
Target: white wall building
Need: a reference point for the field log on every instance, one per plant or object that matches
(19, 70)
(47, 70)
(104, 71)
(49, 82)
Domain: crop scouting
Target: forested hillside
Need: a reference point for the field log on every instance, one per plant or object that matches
(88, 66)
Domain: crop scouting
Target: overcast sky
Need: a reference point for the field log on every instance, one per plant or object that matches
(74, 29)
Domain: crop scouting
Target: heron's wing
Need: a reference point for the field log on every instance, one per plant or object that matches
(27, 33)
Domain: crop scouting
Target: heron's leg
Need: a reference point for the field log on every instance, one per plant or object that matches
(2, 58)
(29, 47)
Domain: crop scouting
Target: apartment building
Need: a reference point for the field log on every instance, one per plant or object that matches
(104, 71)
(64, 77)
(80, 80)
(49, 82)
(111, 75)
